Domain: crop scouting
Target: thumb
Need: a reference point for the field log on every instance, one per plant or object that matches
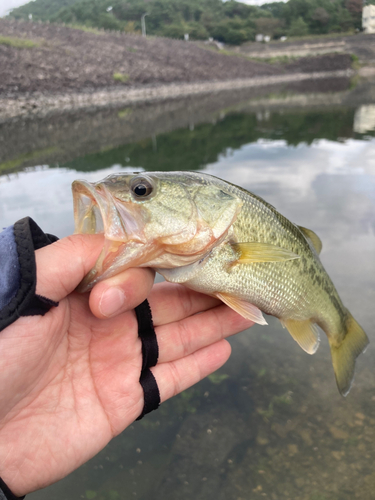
(62, 265)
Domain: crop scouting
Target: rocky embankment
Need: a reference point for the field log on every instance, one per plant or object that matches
(361, 45)
(49, 67)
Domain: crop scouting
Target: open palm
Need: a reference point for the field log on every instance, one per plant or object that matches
(70, 379)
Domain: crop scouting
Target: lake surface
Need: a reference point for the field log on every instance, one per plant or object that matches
(270, 423)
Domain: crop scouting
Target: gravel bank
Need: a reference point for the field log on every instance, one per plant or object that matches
(69, 60)
(68, 69)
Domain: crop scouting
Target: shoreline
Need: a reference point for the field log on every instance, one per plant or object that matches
(47, 104)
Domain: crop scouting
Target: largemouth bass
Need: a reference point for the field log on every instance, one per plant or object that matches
(222, 240)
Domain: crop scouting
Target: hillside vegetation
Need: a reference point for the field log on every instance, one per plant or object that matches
(230, 22)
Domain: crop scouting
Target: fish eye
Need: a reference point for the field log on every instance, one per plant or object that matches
(141, 187)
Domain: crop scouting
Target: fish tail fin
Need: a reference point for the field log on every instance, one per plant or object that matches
(345, 354)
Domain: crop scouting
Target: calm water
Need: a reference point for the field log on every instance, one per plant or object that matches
(270, 424)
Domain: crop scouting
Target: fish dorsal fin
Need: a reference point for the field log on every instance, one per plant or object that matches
(313, 238)
(261, 252)
(245, 309)
(305, 333)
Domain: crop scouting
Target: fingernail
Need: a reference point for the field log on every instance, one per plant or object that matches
(111, 301)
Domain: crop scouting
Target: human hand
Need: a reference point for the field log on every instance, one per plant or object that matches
(70, 379)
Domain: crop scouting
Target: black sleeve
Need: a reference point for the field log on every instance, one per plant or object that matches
(18, 271)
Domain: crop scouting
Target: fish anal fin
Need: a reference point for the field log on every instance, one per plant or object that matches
(245, 309)
(313, 238)
(261, 252)
(305, 333)
(345, 354)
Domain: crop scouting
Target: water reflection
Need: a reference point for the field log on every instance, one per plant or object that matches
(317, 111)
(364, 119)
(271, 423)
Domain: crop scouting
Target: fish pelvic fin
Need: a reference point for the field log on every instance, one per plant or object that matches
(305, 333)
(245, 309)
(345, 354)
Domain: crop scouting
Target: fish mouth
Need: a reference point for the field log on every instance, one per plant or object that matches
(87, 214)
(96, 210)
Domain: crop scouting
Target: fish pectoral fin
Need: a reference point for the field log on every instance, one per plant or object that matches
(313, 238)
(345, 354)
(305, 333)
(261, 252)
(245, 309)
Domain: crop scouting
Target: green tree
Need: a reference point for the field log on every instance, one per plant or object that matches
(354, 7)
(233, 31)
(197, 31)
(228, 21)
(174, 30)
(319, 19)
(268, 25)
(346, 22)
(276, 9)
(298, 27)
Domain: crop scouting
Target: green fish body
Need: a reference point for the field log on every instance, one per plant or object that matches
(222, 240)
